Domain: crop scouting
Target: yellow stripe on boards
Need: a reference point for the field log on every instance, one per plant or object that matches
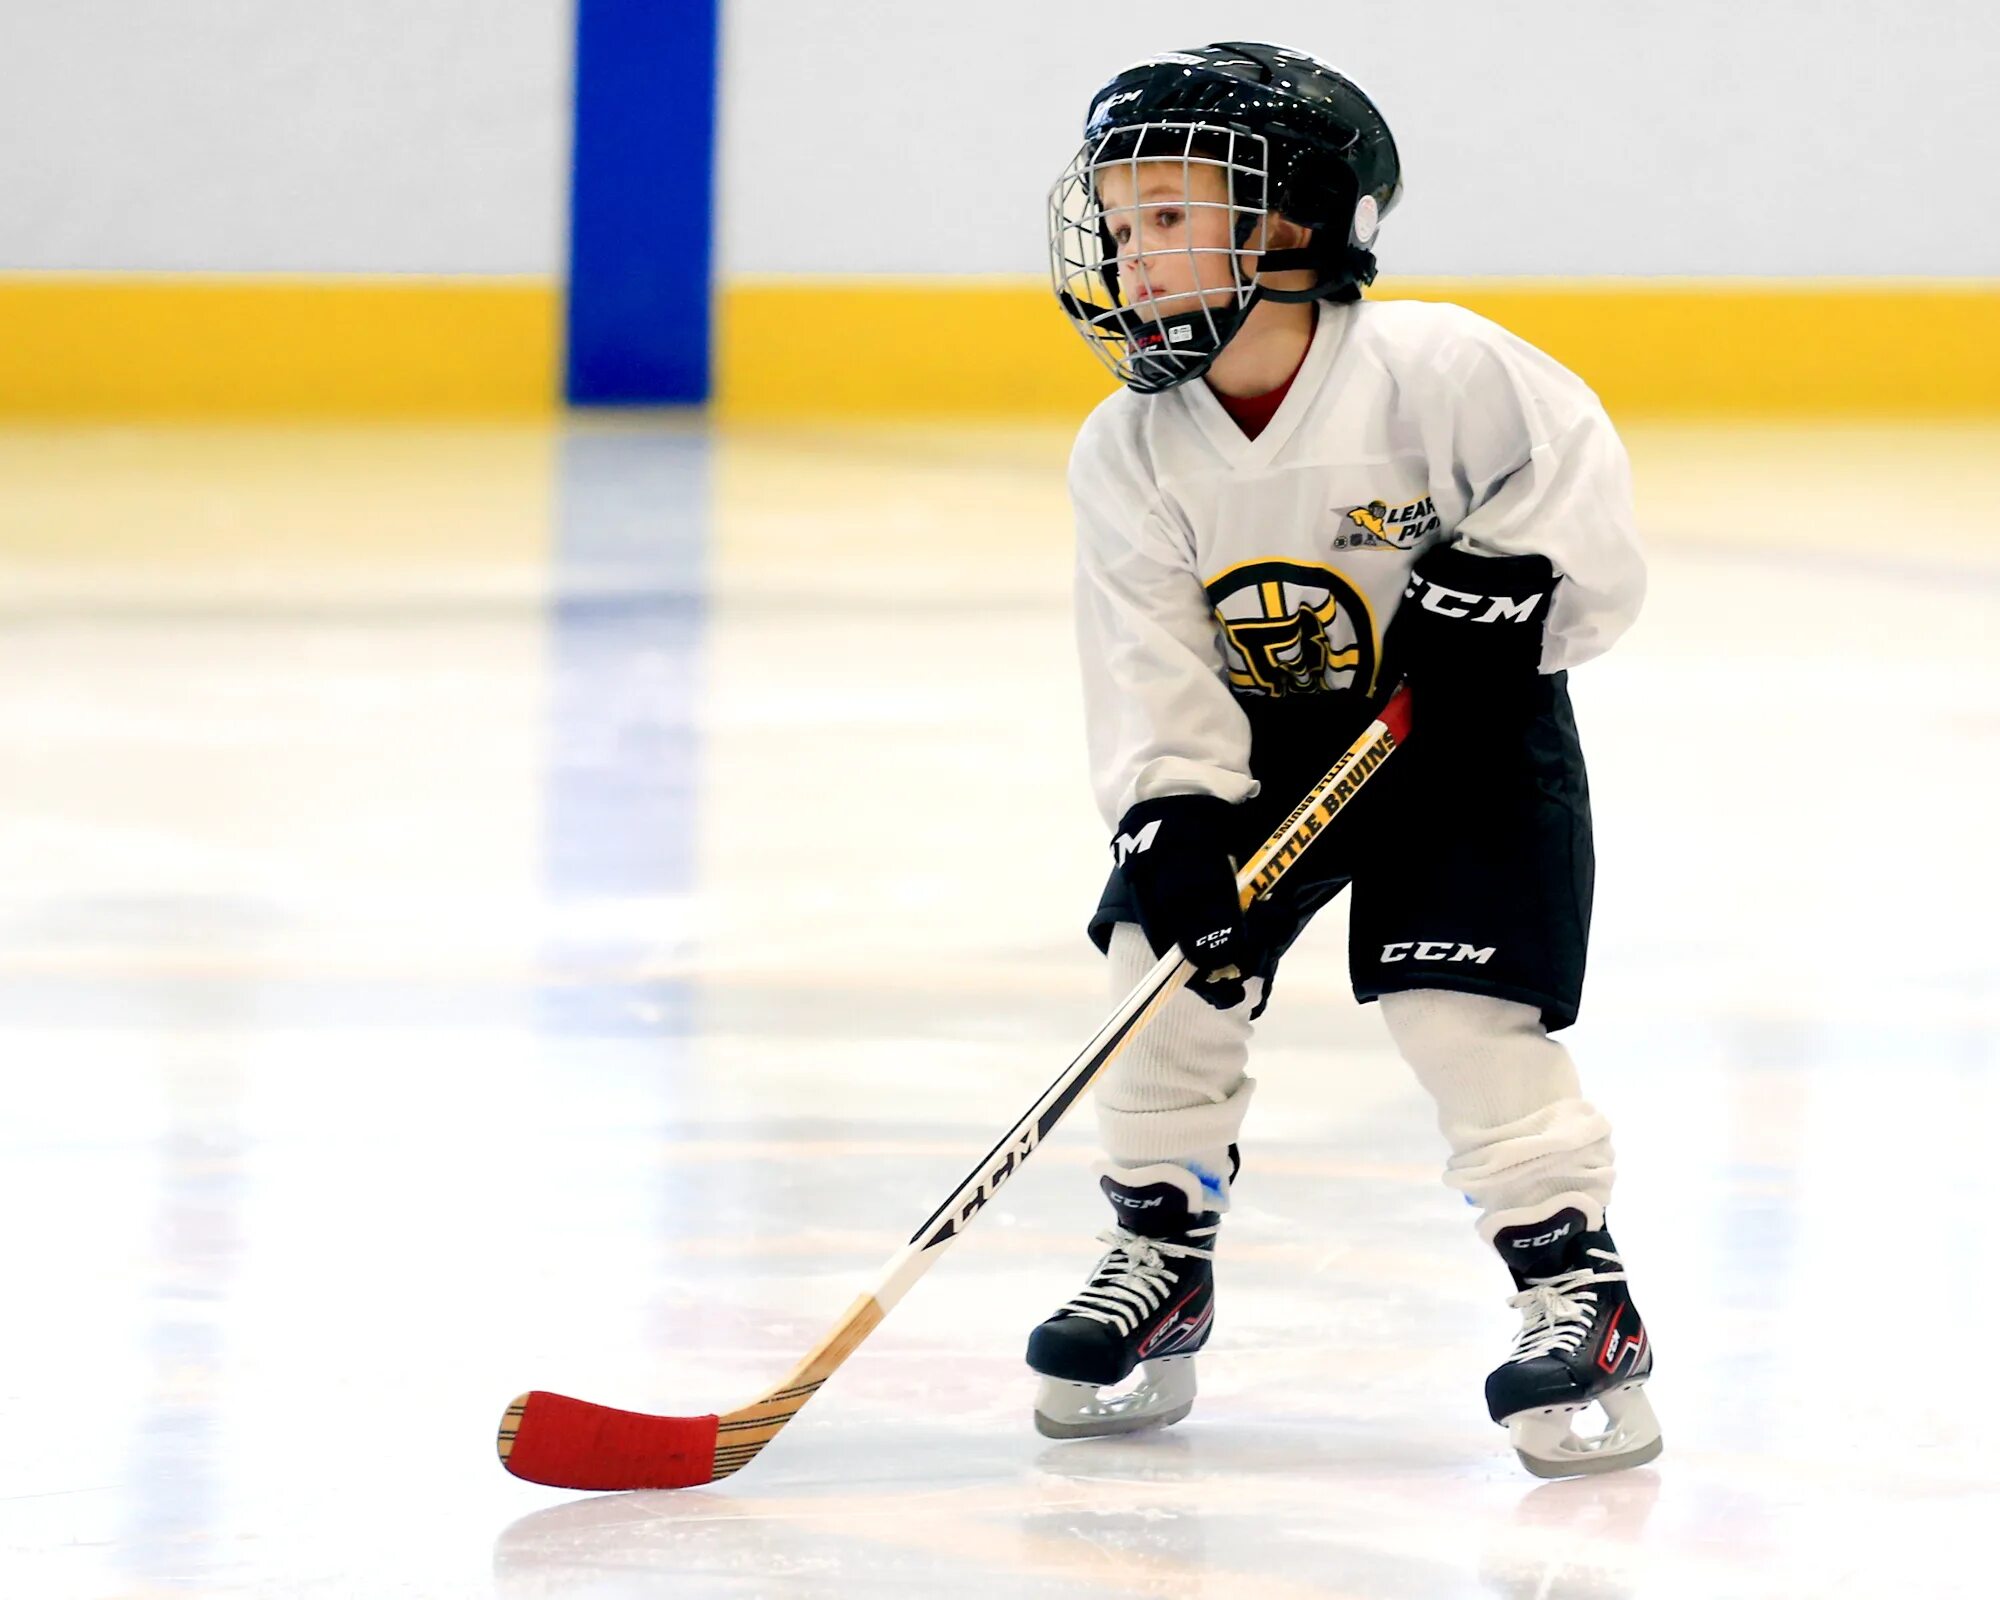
(136, 346)
(149, 346)
(1696, 347)
(936, 347)
(968, 347)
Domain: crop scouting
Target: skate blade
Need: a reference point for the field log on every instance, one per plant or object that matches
(1163, 1395)
(1550, 1447)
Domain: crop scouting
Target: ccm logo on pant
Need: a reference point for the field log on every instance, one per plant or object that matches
(1436, 950)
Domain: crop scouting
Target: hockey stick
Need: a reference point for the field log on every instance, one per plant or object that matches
(572, 1444)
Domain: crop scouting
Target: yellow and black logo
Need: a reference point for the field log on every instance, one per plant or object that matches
(1294, 627)
(1385, 527)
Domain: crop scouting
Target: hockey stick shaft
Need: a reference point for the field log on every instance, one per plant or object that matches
(573, 1444)
(1257, 878)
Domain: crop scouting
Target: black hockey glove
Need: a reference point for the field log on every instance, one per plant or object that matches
(1174, 856)
(1468, 633)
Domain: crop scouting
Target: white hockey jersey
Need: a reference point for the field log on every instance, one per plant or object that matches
(1214, 569)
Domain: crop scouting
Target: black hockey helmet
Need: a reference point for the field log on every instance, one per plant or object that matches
(1291, 137)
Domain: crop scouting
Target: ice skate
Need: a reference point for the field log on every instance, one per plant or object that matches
(1581, 1344)
(1149, 1304)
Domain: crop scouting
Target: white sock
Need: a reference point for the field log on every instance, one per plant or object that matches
(1508, 1101)
(1177, 1093)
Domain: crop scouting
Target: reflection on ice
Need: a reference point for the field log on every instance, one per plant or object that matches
(509, 922)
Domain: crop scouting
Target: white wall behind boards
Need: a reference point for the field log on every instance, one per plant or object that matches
(1793, 137)
(1540, 136)
(285, 135)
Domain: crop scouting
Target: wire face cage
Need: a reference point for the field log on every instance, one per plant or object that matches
(1146, 227)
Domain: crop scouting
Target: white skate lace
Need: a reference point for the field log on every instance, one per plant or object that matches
(1557, 1311)
(1133, 1280)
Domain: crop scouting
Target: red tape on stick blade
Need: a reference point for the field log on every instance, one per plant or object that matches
(572, 1444)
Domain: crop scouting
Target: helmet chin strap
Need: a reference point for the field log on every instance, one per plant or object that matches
(1305, 260)
(1294, 260)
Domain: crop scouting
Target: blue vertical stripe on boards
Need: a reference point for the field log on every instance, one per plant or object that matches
(642, 202)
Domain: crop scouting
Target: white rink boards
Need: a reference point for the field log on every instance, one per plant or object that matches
(482, 909)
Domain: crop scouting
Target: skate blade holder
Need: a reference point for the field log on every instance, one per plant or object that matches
(1159, 1394)
(1549, 1445)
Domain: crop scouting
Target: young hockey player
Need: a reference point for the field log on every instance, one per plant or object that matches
(1299, 499)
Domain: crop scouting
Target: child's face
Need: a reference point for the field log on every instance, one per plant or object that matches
(1174, 230)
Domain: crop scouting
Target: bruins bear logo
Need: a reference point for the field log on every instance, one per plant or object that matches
(1293, 627)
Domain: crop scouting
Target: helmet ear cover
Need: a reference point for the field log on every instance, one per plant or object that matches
(1318, 193)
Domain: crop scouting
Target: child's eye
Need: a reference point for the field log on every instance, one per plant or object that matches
(1166, 217)
(1120, 233)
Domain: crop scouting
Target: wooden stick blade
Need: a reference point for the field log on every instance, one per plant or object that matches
(571, 1444)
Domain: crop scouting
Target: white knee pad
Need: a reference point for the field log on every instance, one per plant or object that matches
(1177, 1093)
(1508, 1100)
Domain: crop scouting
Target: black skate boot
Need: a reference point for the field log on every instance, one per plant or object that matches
(1581, 1341)
(1151, 1300)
